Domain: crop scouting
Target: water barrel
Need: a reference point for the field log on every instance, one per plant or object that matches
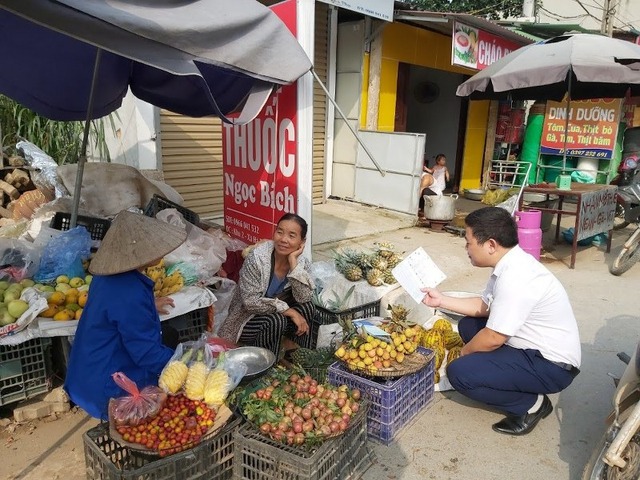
(529, 232)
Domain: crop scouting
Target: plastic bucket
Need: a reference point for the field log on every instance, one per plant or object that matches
(529, 219)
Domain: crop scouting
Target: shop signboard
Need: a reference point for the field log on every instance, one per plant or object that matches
(477, 49)
(593, 128)
(260, 160)
(382, 9)
(597, 212)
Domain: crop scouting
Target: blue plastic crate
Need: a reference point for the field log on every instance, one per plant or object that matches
(393, 403)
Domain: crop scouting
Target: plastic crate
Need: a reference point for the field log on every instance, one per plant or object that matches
(260, 458)
(190, 325)
(24, 370)
(106, 459)
(158, 203)
(327, 317)
(393, 403)
(97, 227)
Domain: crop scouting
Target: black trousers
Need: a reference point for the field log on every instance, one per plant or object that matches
(267, 330)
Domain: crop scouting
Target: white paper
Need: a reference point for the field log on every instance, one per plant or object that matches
(418, 271)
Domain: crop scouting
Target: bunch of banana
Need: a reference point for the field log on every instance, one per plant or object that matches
(157, 274)
(170, 284)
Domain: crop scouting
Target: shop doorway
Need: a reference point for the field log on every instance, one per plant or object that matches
(427, 98)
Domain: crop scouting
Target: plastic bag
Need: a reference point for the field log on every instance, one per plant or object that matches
(64, 254)
(223, 288)
(45, 175)
(217, 344)
(187, 270)
(18, 259)
(200, 249)
(175, 372)
(222, 379)
(138, 406)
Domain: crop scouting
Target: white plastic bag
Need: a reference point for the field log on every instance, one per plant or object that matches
(200, 248)
(224, 289)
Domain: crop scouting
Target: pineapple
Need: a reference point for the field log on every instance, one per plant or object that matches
(388, 277)
(378, 263)
(398, 312)
(374, 277)
(385, 249)
(353, 272)
(393, 260)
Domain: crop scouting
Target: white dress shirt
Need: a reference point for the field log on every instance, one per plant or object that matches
(529, 305)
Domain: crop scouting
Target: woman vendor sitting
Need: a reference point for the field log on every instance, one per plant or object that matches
(260, 313)
(120, 327)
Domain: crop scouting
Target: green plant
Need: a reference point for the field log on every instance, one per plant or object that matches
(60, 140)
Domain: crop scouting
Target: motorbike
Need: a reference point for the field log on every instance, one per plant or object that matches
(627, 211)
(617, 454)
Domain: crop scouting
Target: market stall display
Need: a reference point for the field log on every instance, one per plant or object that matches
(393, 403)
(106, 459)
(300, 429)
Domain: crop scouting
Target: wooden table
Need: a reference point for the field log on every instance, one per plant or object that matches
(595, 210)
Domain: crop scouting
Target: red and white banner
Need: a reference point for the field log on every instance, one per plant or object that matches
(260, 160)
(477, 49)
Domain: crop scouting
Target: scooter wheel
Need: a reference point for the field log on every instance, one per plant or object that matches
(597, 469)
(628, 256)
(619, 222)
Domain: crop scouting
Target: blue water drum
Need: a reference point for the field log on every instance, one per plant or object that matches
(529, 232)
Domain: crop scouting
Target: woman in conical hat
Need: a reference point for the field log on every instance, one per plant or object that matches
(120, 327)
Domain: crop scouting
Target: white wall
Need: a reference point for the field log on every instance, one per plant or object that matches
(132, 141)
(573, 11)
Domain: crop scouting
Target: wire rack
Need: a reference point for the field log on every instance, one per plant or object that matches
(508, 174)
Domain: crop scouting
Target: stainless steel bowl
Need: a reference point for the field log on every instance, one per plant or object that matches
(474, 194)
(454, 315)
(257, 359)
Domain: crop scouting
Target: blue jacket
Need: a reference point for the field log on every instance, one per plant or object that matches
(119, 332)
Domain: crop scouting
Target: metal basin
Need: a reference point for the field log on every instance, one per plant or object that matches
(257, 359)
(454, 315)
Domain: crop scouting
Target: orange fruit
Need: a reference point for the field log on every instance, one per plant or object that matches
(82, 298)
(50, 311)
(64, 315)
(57, 298)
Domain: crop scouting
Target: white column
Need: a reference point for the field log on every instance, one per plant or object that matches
(306, 32)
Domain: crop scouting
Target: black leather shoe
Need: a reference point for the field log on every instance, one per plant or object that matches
(523, 424)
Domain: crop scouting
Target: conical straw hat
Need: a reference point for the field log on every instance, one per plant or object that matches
(132, 241)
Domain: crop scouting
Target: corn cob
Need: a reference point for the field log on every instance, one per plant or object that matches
(196, 378)
(174, 374)
(215, 388)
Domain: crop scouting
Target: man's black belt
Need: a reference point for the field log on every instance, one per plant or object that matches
(566, 366)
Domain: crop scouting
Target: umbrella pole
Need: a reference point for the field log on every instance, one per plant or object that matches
(566, 126)
(82, 159)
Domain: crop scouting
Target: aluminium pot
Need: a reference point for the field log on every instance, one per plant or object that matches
(440, 207)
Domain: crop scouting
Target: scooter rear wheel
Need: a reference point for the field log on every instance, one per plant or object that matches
(628, 256)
